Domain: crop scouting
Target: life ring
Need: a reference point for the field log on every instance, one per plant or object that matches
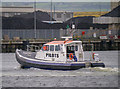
(93, 56)
(70, 56)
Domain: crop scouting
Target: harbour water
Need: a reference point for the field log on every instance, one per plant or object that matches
(14, 76)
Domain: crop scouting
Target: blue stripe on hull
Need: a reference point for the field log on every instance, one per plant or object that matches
(47, 65)
(26, 62)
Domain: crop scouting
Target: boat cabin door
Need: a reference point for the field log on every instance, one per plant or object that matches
(74, 52)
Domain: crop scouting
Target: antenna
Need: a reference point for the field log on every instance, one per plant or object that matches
(35, 19)
(51, 11)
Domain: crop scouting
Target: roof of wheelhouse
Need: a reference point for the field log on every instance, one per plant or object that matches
(61, 42)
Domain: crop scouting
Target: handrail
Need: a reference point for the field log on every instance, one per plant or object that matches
(32, 48)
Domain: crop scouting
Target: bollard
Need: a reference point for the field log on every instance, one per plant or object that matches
(111, 44)
(103, 45)
(25, 43)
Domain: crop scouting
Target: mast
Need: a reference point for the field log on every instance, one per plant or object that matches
(35, 19)
(51, 12)
(54, 11)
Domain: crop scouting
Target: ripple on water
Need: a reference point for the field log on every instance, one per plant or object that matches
(106, 69)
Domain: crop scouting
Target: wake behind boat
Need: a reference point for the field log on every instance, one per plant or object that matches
(63, 55)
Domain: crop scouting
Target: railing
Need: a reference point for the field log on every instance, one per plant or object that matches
(56, 33)
(90, 33)
(29, 33)
(33, 48)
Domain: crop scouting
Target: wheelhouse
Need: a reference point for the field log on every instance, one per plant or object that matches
(61, 51)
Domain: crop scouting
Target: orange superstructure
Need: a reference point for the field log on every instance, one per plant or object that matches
(58, 42)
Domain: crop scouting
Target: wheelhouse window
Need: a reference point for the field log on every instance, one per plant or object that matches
(51, 47)
(73, 48)
(45, 48)
(76, 48)
(57, 47)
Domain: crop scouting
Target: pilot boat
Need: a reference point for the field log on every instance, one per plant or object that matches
(60, 55)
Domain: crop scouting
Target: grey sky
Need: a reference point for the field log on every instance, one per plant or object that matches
(56, 0)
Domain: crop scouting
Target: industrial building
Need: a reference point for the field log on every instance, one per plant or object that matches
(58, 15)
(112, 18)
(11, 11)
(114, 4)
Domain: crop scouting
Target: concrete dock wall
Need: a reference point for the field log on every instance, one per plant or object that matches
(98, 45)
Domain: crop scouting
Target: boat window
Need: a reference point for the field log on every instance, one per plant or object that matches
(72, 48)
(45, 48)
(76, 48)
(57, 47)
(51, 47)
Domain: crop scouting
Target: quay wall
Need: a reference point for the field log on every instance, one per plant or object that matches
(98, 45)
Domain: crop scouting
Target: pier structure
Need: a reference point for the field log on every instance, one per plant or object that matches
(101, 40)
(98, 45)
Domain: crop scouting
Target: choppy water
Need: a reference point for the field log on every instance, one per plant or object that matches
(13, 76)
